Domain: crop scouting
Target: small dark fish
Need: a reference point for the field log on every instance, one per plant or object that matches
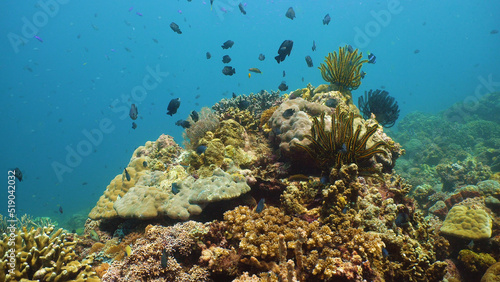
(84, 183)
(290, 13)
(228, 70)
(302, 79)
(234, 95)
(127, 175)
(362, 74)
(194, 116)
(60, 209)
(260, 205)
(209, 55)
(201, 149)
(371, 58)
(228, 44)
(314, 46)
(184, 123)
(385, 253)
(309, 61)
(342, 149)
(155, 40)
(350, 49)
(416, 51)
(324, 179)
(175, 188)
(494, 31)
(288, 113)
(284, 50)
(262, 57)
(226, 59)
(326, 19)
(283, 86)
(164, 255)
(243, 104)
(402, 219)
(18, 174)
(197, 96)
(175, 28)
(134, 125)
(332, 103)
(173, 106)
(133, 112)
(284, 73)
(256, 70)
(145, 164)
(242, 9)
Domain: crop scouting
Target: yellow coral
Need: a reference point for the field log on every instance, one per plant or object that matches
(468, 223)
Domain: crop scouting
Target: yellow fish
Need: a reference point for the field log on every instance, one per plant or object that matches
(249, 75)
(256, 70)
(128, 250)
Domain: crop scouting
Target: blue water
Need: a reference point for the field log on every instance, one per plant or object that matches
(95, 55)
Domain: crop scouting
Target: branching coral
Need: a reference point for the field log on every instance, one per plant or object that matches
(43, 255)
(383, 106)
(343, 69)
(342, 144)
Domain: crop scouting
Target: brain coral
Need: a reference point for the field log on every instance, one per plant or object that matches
(468, 223)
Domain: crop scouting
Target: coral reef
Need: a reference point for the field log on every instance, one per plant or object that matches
(341, 144)
(380, 104)
(462, 173)
(43, 254)
(208, 121)
(164, 254)
(254, 103)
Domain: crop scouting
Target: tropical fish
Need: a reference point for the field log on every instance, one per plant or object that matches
(314, 46)
(127, 176)
(145, 164)
(326, 19)
(242, 9)
(175, 188)
(173, 106)
(94, 236)
(128, 250)
(288, 113)
(228, 44)
(284, 73)
(175, 28)
(260, 205)
(290, 13)
(228, 70)
(133, 112)
(350, 49)
(194, 116)
(284, 50)
(256, 70)
(164, 255)
(201, 149)
(208, 55)
(262, 57)
(134, 125)
(283, 86)
(309, 61)
(371, 58)
(226, 59)
(184, 123)
(18, 174)
(60, 209)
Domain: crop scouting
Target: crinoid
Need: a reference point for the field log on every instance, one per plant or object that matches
(343, 69)
(383, 106)
(341, 144)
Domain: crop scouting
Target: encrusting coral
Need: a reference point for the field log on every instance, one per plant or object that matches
(43, 254)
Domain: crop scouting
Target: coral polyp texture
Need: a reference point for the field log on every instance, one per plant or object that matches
(43, 254)
(468, 223)
(343, 69)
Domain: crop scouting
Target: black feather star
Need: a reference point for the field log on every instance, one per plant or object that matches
(384, 107)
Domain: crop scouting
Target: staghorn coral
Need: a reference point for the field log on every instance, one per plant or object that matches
(177, 243)
(379, 103)
(341, 144)
(42, 254)
(343, 70)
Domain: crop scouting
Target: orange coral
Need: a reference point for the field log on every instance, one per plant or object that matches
(101, 269)
(96, 247)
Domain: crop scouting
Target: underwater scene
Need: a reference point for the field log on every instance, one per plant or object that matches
(265, 140)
